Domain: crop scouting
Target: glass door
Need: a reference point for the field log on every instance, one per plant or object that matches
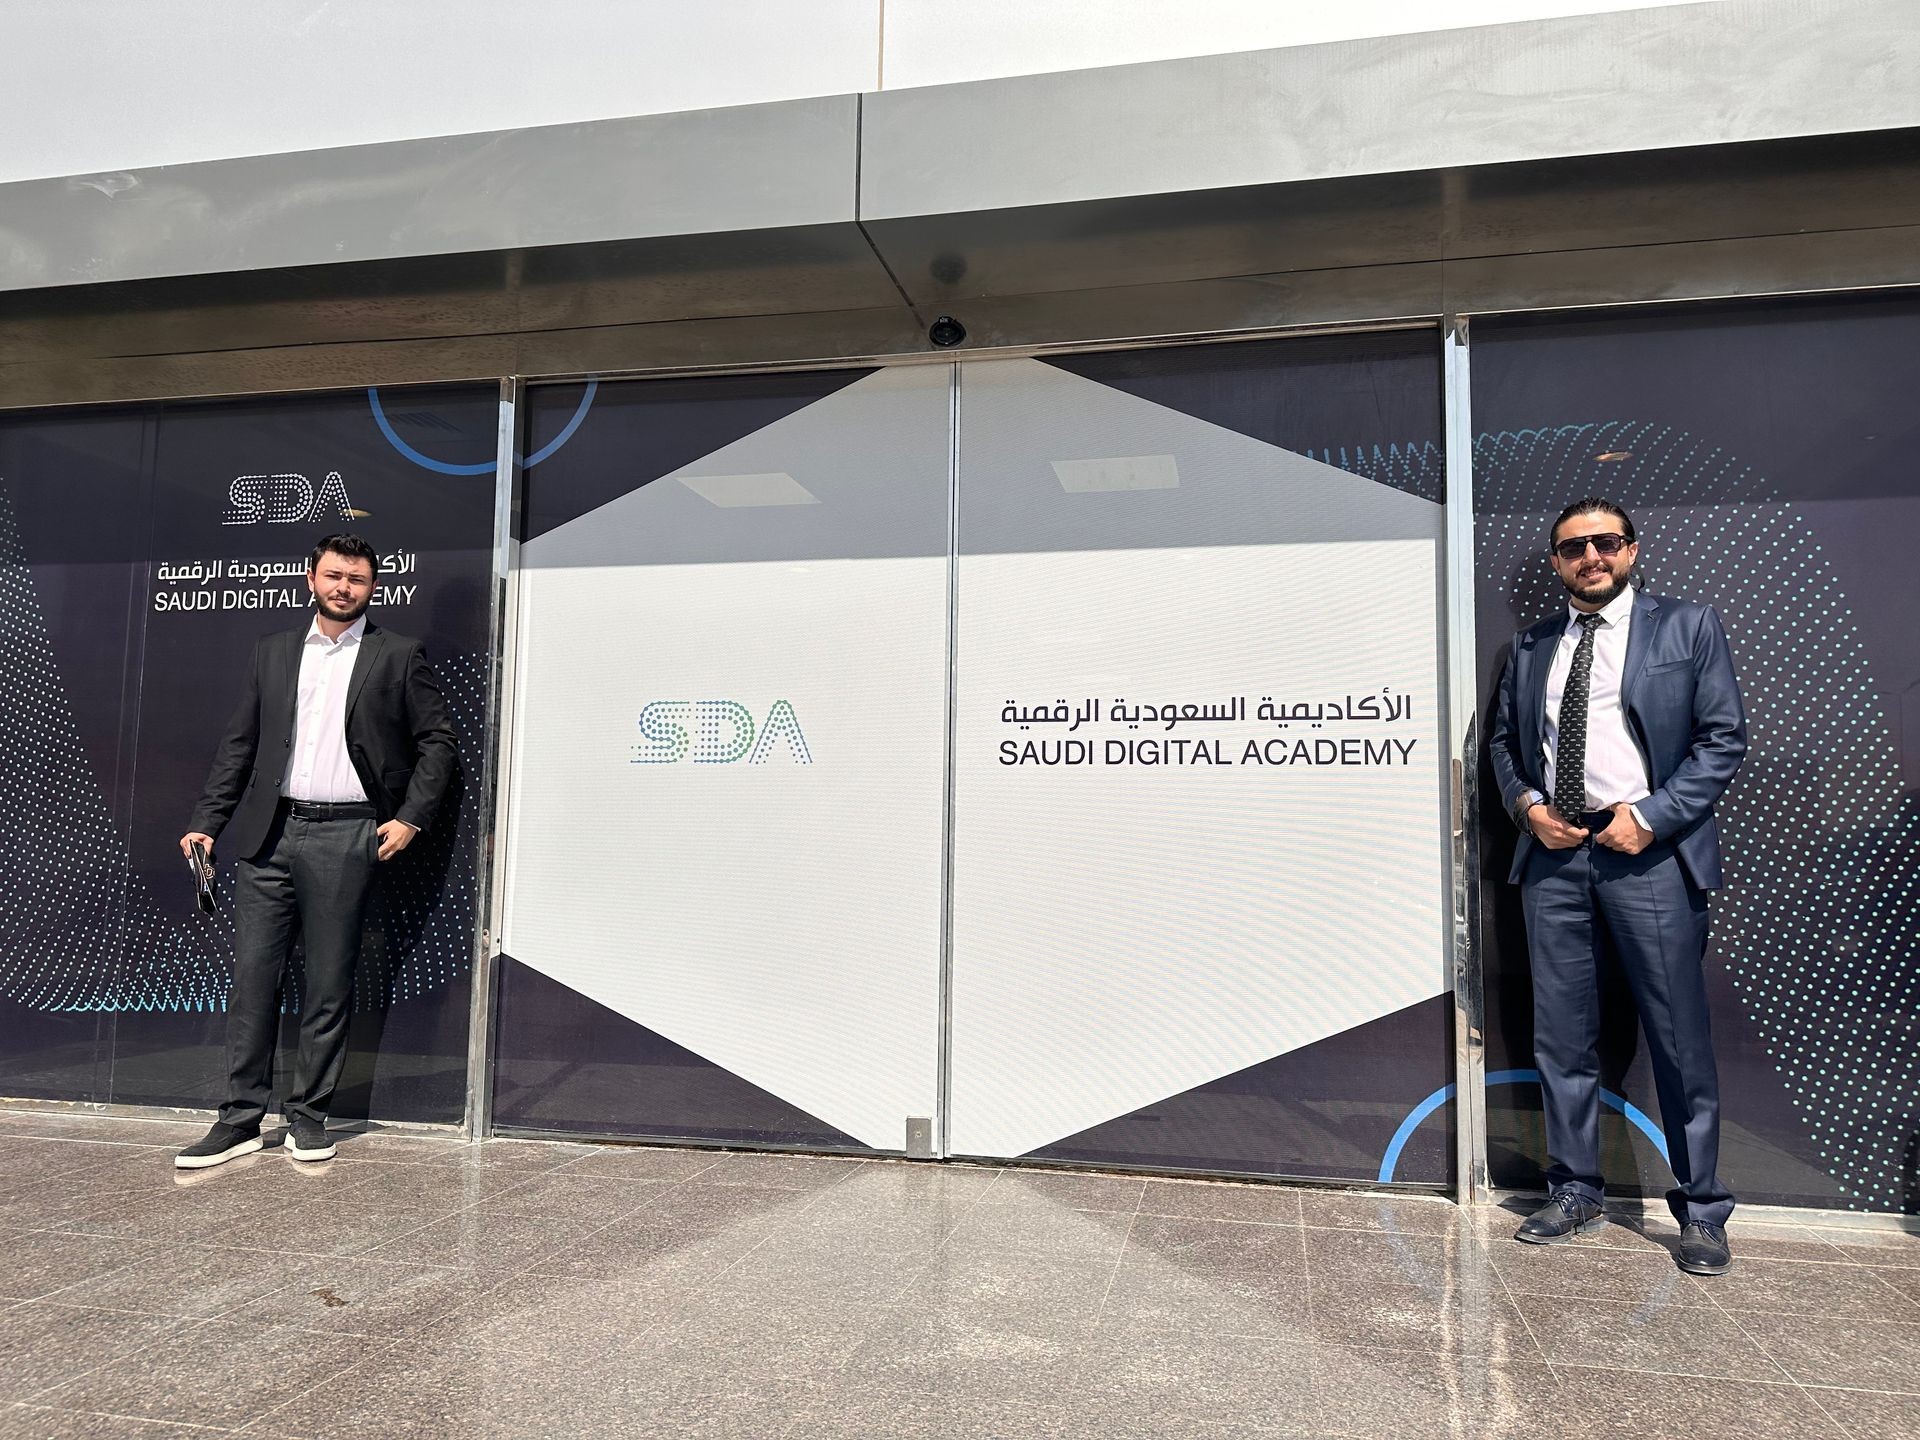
(1199, 822)
(728, 767)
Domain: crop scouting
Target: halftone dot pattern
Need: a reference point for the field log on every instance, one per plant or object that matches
(88, 936)
(420, 923)
(65, 936)
(1417, 468)
(725, 732)
(1822, 847)
(782, 726)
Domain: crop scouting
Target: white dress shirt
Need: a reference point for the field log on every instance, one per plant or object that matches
(321, 770)
(1615, 769)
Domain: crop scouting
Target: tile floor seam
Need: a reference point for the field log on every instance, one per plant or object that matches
(525, 1266)
(264, 1249)
(487, 1201)
(1863, 1389)
(150, 1314)
(1840, 1256)
(701, 1287)
(112, 1357)
(1306, 1290)
(334, 1382)
(351, 1140)
(1513, 1300)
(1845, 1429)
(981, 1199)
(1912, 1304)
(269, 1294)
(472, 1206)
(946, 1237)
(142, 1419)
(501, 1280)
(596, 1152)
(150, 1252)
(1725, 1310)
(1787, 1384)
(1113, 1270)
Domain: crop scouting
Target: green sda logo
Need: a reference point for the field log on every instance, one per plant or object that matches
(717, 732)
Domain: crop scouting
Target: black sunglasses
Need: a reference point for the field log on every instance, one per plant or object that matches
(1608, 545)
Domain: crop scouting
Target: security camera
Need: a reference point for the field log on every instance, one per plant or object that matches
(946, 331)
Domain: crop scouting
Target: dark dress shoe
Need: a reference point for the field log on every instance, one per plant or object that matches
(1703, 1249)
(220, 1144)
(307, 1140)
(1567, 1214)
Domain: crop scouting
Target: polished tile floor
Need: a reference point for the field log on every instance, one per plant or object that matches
(418, 1287)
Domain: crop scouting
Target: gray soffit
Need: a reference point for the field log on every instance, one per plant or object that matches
(748, 167)
(61, 370)
(1360, 116)
(731, 275)
(1688, 75)
(1643, 199)
(1318, 252)
(1736, 148)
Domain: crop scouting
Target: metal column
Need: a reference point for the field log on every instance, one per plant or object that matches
(1463, 739)
(501, 645)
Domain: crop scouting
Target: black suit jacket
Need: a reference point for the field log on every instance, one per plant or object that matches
(398, 738)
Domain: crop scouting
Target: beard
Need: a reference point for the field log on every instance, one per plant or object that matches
(1599, 592)
(345, 614)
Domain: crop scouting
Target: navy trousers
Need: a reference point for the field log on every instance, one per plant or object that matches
(1581, 905)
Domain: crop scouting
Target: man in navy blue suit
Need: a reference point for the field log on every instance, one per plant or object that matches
(1617, 726)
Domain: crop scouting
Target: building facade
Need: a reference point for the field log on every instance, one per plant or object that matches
(969, 551)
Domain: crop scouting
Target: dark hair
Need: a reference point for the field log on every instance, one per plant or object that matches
(1589, 506)
(351, 546)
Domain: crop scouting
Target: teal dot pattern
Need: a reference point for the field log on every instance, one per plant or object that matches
(1418, 468)
(725, 732)
(1816, 929)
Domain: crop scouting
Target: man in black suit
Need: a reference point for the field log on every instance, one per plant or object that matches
(1617, 728)
(338, 755)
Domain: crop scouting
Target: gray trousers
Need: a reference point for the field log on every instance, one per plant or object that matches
(311, 882)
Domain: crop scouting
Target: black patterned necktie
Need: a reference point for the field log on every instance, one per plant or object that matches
(1570, 751)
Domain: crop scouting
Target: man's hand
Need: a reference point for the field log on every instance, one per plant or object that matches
(187, 841)
(1551, 829)
(1624, 833)
(395, 836)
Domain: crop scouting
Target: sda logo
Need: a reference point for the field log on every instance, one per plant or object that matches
(722, 732)
(285, 500)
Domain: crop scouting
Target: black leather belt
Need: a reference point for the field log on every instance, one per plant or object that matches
(323, 810)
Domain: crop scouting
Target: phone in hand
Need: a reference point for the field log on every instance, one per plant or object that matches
(201, 864)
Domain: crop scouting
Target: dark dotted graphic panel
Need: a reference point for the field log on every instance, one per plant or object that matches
(1816, 931)
(86, 934)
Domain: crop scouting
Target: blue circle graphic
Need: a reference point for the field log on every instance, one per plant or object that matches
(485, 467)
(1389, 1161)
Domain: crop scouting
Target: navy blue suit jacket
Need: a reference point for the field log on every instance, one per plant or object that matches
(1683, 709)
